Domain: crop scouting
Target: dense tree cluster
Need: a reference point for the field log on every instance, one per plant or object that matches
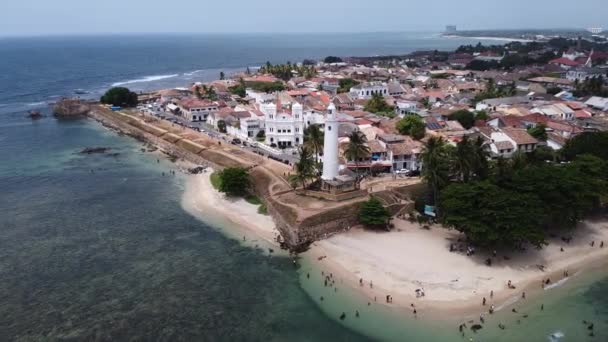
(332, 59)
(120, 96)
(287, 71)
(412, 125)
(373, 214)
(266, 87)
(378, 105)
(346, 84)
(234, 181)
(464, 117)
(594, 143)
(517, 201)
(594, 86)
(493, 91)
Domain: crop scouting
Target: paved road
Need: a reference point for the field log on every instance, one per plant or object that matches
(212, 132)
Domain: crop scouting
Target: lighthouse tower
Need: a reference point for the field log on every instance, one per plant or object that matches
(330, 145)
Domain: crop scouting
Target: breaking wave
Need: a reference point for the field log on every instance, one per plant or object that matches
(145, 79)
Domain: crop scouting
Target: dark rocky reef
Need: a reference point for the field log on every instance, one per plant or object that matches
(69, 108)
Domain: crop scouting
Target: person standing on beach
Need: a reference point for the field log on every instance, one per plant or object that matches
(483, 302)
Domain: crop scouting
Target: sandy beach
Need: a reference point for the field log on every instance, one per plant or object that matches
(202, 200)
(410, 258)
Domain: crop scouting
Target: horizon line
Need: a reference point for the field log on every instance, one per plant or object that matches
(176, 33)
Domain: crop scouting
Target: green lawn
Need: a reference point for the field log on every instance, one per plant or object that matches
(262, 209)
(252, 199)
(216, 181)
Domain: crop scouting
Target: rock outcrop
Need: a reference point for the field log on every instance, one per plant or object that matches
(71, 108)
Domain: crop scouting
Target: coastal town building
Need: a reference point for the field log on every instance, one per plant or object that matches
(365, 91)
(196, 110)
(284, 125)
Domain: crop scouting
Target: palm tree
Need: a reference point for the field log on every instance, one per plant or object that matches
(313, 139)
(480, 167)
(435, 164)
(356, 149)
(305, 167)
(464, 159)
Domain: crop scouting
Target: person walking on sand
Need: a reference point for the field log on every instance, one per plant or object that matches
(360, 281)
(483, 302)
(602, 244)
(491, 294)
(592, 243)
(523, 295)
(371, 284)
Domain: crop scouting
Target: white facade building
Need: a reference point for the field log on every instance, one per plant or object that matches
(366, 90)
(284, 127)
(330, 145)
(406, 107)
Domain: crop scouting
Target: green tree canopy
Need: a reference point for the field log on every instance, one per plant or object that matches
(305, 167)
(464, 117)
(120, 96)
(235, 181)
(346, 84)
(373, 214)
(332, 59)
(490, 216)
(356, 149)
(539, 132)
(377, 104)
(481, 115)
(594, 143)
(412, 125)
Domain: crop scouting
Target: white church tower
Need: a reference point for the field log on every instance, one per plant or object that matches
(330, 145)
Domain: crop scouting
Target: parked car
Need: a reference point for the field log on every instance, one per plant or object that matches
(414, 173)
(236, 141)
(404, 172)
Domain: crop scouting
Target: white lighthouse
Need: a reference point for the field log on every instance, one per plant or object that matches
(330, 145)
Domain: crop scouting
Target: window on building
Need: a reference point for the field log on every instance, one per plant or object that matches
(329, 128)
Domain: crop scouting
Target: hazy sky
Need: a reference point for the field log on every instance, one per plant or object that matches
(34, 17)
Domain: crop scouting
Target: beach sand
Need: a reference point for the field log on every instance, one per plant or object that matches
(203, 201)
(410, 258)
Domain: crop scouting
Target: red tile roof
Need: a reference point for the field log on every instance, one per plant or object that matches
(564, 61)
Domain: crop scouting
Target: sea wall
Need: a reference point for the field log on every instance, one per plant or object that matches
(297, 233)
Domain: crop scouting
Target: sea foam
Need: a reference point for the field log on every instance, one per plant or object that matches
(145, 79)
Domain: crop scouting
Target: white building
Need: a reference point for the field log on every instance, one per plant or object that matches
(366, 90)
(403, 108)
(284, 126)
(330, 145)
(197, 110)
(556, 111)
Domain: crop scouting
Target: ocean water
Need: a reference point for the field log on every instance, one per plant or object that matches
(98, 247)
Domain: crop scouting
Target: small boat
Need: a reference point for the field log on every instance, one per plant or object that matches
(81, 92)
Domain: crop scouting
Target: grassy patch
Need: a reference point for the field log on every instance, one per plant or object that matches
(255, 200)
(262, 209)
(216, 180)
(252, 199)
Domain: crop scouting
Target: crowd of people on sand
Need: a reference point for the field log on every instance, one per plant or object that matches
(330, 281)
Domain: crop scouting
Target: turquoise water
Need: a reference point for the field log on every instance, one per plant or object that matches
(98, 247)
(109, 254)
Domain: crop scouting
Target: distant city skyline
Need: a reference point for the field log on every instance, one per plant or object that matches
(68, 17)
